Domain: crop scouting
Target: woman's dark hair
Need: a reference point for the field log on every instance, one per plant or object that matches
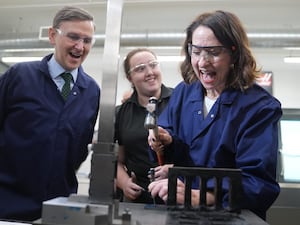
(230, 33)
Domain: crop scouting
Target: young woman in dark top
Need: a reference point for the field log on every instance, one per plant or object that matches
(143, 72)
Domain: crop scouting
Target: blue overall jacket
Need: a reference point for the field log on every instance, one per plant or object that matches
(43, 140)
(240, 131)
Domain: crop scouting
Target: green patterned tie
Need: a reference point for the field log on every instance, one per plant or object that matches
(66, 89)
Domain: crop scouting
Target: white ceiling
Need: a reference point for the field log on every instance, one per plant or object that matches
(22, 19)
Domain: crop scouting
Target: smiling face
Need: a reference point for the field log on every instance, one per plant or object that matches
(211, 68)
(70, 53)
(145, 74)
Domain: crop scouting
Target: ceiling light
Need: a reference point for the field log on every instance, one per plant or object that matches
(292, 59)
(292, 48)
(19, 59)
(29, 50)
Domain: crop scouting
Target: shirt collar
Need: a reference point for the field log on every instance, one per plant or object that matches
(55, 69)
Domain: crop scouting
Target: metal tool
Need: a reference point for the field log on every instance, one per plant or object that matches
(151, 123)
(151, 172)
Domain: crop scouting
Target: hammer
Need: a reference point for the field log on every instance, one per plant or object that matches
(151, 123)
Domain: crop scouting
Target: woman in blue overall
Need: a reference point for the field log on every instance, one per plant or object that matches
(219, 115)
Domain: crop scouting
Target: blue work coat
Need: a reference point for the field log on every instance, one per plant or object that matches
(43, 140)
(240, 131)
